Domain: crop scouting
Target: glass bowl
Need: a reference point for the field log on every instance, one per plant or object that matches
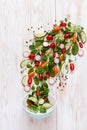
(38, 114)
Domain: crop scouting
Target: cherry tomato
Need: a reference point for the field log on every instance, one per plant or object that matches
(45, 99)
(67, 35)
(40, 76)
(63, 50)
(61, 58)
(54, 54)
(38, 92)
(31, 56)
(63, 24)
(29, 81)
(49, 37)
(43, 64)
(72, 66)
(74, 38)
(42, 54)
(37, 63)
(55, 69)
(81, 44)
(30, 103)
(56, 29)
(47, 75)
(52, 45)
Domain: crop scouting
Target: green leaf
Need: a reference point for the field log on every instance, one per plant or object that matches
(33, 87)
(52, 74)
(42, 109)
(40, 70)
(75, 49)
(44, 57)
(38, 42)
(45, 84)
(34, 51)
(36, 80)
(30, 70)
(31, 47)
(29, 66)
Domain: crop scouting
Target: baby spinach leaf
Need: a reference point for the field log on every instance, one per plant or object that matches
(75, 49)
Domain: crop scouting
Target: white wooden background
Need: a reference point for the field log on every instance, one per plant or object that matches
(15, 17)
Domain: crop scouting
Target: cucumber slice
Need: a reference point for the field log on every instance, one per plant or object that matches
(33, 99)
(40, 35)
(63, 68)
(24, 63)
(33, 108)
(24, 80)
(47, 105)
(83, 36)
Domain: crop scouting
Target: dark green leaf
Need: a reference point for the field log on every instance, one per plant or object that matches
(44, 57)
(36, 80)
(31, 47)
(75, 49)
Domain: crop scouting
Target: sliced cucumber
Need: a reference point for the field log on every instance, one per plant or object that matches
(47, 105)
(33, 108)
(83, 36)
(24, 63)
(63, 68)
(40, 35)
(24, 80)
(33, 99)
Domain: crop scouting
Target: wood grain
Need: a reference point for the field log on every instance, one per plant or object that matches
(16, 16)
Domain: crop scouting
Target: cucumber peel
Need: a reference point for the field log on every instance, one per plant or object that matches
(83, 36)
(24, 63)
(47, 105)
(24, 79)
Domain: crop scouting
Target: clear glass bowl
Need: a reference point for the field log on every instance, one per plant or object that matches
(38, 114)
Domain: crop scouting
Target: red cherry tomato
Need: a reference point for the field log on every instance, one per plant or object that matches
(45, 99)
(49, 37)
(30, 103)
(40, 76)
(54, 54)
(81, 44)
(47, 75)
(63, 24)
(29, 81)
(37, 63)
(38, 92)
(72, 67)
(42, 54)
(31, 56)
(52, 45)
(67, 35)
(63, 50)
